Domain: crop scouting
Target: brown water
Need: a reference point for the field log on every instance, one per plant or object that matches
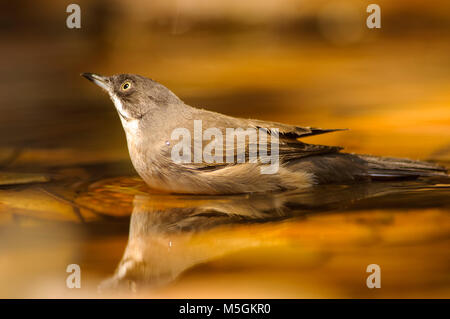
(69, 195)
(132, 242)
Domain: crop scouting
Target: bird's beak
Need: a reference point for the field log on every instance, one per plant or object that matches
(101, 81)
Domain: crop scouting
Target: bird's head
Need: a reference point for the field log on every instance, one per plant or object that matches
(133, 95)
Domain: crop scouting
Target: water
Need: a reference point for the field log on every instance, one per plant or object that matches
(130, 241)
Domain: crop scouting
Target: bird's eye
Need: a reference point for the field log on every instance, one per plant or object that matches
(126, 85)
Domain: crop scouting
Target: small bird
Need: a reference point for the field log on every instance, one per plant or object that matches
(150, 113)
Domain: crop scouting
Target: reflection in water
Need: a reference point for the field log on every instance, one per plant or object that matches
(163, 243)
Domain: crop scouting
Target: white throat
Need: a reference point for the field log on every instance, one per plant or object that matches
(130, 126)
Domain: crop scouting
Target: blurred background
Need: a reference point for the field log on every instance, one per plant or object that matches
(305, 62)
(312, 63)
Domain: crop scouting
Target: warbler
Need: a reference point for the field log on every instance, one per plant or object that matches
(169, 155)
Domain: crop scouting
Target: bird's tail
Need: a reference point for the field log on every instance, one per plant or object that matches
(382, 168)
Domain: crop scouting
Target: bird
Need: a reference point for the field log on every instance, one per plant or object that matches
(150, 113)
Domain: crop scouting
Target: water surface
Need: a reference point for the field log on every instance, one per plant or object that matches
(131, 241)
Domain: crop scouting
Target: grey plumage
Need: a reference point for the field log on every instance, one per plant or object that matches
(150, 112)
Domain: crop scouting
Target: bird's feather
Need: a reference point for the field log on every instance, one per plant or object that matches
(289, 146)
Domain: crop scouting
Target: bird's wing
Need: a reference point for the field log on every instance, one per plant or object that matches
(290, 131)
(286, 131)
(289, 147)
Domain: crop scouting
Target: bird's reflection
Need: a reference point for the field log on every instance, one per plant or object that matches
(163, 240)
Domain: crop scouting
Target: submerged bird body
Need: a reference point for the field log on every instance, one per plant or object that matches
(150, 113)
